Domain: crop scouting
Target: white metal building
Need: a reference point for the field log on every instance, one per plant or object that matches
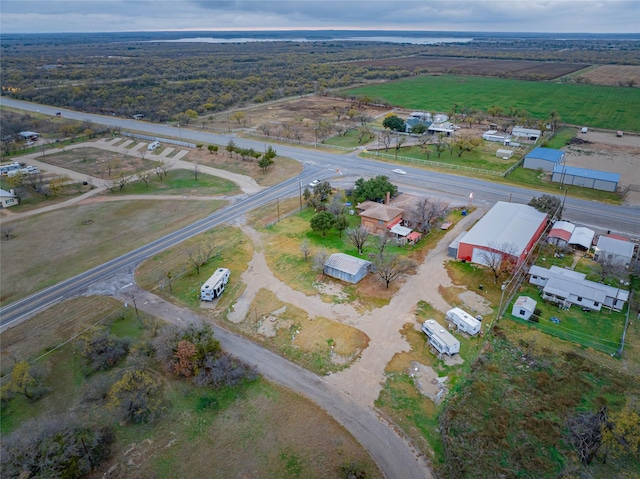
(524, 307)
(614, 249)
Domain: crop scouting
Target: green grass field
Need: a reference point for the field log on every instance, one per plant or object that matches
(180, 182)
(613, 108)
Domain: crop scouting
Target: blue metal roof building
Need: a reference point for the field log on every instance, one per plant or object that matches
(586, 178)
(543, 158)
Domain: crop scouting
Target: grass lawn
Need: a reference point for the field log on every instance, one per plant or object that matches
(600, 330)
(180, 182)
(80, 237)
(33, 200)
(172, 274)
(348, 140)
(593, 105)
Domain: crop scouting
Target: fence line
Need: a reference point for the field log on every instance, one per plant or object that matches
(154, 138)
(439, 164)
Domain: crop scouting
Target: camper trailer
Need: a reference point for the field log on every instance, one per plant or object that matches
(442, 340)
(464, 321)
(153, 146)
(214, 286)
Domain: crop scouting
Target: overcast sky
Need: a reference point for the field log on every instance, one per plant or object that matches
(581, 16)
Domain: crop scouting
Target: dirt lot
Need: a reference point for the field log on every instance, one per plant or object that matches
(606, 152)
(296, 119)
(613, 74)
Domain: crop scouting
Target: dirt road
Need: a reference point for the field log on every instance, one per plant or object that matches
(394, 456)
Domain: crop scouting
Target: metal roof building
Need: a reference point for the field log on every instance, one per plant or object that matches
(346, 267)
(586, 178)
(509, 228)
(560, 233)
(582, 237)
(620, 251)
(545, 159)
(569, 287)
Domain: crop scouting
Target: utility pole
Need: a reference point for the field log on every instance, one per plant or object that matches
(300, 183)
(278, 206)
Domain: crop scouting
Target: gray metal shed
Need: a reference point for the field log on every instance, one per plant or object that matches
(346, 267)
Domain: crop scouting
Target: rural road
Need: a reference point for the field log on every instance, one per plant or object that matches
(396, 458)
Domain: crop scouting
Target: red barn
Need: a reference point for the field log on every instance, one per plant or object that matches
(507, 229)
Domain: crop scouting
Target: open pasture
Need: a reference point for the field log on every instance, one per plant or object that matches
(613, 108)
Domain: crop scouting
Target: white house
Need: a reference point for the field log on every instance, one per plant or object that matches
(568, 287)
(8, 198)
(442, 340)
(614, 249)
(528, 133)
(524, 307)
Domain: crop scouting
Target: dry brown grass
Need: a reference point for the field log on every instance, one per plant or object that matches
(54, 326)
(60, 244)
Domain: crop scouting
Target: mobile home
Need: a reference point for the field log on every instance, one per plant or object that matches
(440, 338)
(464, 321)
(214, 286)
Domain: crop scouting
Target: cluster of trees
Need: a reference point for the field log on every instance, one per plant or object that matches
(123, 381)
(374, 189)
(249, 154)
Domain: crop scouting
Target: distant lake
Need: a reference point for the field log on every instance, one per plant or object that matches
(385, 39)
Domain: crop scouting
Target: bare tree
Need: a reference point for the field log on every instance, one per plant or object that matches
(585, 433)
(499, 258)
(196, 171)
(336, 206)
(305, 249)
(382, 240)
(122, 181)
(390, 267)
(145, 176)
(385, 138)
(112, 165)
(358, 237)
(200, 255)
(610, 266)
(425, 212)
(162, 170)
(320, 259)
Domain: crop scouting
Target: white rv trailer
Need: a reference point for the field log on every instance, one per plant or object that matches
(440, 338)
(464, 321)
(214, 286)
(153, 146)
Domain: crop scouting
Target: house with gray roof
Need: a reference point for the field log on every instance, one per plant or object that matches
(568, 287)
(614, 249)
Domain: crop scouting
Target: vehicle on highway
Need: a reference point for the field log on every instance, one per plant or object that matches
(58, 114)
(314, 183)
(399, 171)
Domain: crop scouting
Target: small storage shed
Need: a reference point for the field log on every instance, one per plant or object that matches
(582, 238)
(545, 159)
(560, 233)
(504, 154)
(586, 178)
(528, 133)
(464, 321)
(493, 135)
(346, 267)
(524, 307)
(442, 340)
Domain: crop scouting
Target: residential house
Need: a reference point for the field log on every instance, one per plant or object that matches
(568, 287)
(378, 218)
(617, 250)
(560, 233)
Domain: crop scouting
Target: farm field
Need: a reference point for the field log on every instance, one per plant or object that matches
(596, 106)
(479, 66)
(612, 75)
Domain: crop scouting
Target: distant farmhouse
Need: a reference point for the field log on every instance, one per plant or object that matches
(437, 123)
